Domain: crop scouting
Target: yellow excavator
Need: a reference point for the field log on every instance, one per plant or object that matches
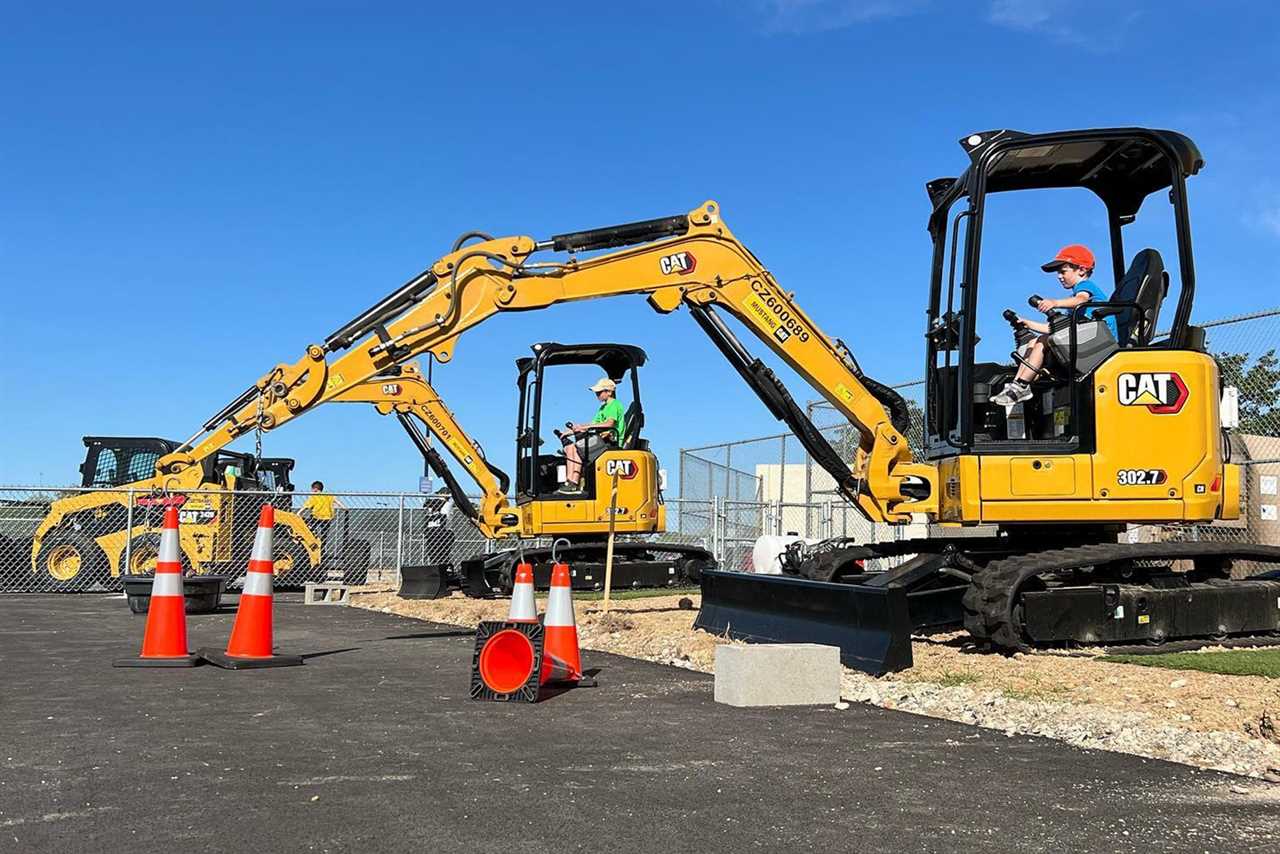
(1116, 433)
(622, 484)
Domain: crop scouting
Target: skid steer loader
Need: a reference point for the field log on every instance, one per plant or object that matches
(91, 536)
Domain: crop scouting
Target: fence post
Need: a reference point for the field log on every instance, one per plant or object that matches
(782, 470)
(828, 520)
(717, 530)
(399, 537)
(128, 538)
(777, 517)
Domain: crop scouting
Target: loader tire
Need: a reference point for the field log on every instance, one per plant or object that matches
(70, 561)
(144, 550)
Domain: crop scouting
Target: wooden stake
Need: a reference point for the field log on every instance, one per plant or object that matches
(608, 551)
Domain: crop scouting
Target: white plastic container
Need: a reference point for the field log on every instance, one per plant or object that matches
(767, 551)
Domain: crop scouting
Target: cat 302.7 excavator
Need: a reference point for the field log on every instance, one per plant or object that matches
(1118, 433)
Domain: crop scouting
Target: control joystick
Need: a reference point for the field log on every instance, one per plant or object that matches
(1021, 334)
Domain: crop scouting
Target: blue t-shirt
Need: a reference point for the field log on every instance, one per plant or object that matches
(1096, 295)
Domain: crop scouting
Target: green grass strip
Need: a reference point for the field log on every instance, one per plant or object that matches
(629, 593)
(1238, 662)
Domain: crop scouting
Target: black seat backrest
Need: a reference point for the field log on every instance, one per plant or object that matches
(632, 421)
(1146, 283)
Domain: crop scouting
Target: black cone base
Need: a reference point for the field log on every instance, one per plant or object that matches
(176, 661)
(232, 662)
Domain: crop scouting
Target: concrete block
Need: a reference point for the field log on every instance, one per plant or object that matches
(324, 593)
(777, 674)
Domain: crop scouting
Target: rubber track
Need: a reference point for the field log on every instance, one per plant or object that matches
(683, 556)
(825, 564)
(990, 599)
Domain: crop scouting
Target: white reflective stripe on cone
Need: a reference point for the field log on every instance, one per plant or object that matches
(257, 584)
(559, 608)
(261, 545)
(167, 584)
(523, 606)
(168, 546)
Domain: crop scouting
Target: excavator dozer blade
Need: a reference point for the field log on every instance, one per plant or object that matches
(870, 625)
(424, 581)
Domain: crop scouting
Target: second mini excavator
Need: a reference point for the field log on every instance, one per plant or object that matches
(622, 483)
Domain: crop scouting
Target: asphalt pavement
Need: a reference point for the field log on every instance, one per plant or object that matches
(373, 745)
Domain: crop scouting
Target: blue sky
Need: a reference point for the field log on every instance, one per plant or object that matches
(191, 195)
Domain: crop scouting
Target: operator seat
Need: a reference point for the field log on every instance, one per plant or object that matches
(1147, 284)
(632, 421)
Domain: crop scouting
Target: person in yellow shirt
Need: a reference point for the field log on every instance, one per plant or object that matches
(320, 508)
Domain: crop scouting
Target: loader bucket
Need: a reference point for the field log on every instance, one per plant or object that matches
(870, 625)
(424, 581)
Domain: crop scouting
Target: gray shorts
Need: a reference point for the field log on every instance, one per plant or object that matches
(590, 447)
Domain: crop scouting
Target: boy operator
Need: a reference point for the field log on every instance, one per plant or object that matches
(1074, 266)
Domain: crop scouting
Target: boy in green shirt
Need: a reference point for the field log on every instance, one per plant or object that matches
(590, 442)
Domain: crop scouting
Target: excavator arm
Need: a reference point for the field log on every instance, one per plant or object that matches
(404, 392)
(691, 259)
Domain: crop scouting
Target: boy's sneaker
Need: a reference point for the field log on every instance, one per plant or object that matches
(1013, 393)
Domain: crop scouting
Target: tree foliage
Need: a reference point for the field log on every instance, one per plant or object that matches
(1259, 387)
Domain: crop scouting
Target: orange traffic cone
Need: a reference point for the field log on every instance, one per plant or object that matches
(523, 606)
(510, 664)
(164, 644)
(250, 643)
(561, 629)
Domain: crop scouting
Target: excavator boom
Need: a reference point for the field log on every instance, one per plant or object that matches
(691, 259)
(408, 395)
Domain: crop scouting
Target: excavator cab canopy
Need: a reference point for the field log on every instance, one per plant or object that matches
(535, 471)
(1122, 167)
(614, 359)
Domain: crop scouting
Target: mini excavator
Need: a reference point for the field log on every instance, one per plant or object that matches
(1117, 433)
(623, 484)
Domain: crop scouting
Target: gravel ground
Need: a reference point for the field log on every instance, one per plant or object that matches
(1199, 719)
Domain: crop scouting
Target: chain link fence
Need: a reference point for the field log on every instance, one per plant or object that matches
(55, 539)
(771, 485)
(75, 539)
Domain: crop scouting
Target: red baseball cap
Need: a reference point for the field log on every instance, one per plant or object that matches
(1075, 254)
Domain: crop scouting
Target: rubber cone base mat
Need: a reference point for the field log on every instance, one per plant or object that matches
(526, 693)
(234, 662)
(175, 661)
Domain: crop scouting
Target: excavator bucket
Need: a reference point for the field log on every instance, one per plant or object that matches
(424, 581)
(870, 625)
